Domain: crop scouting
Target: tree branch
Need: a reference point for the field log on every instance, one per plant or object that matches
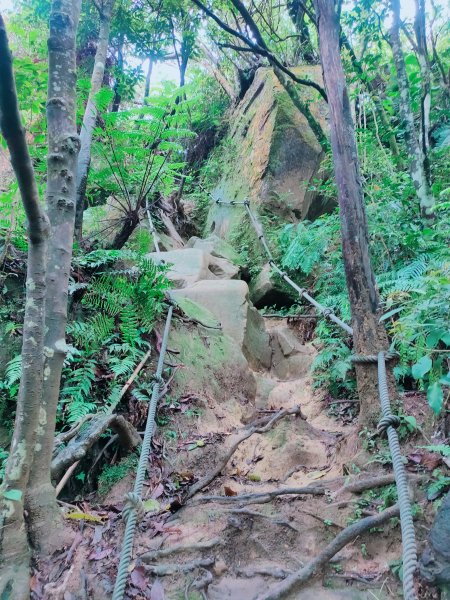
(14, 134)
(260, 47)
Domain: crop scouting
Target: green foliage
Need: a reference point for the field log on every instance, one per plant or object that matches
(120, 309)
(115, 473)
(412, 264)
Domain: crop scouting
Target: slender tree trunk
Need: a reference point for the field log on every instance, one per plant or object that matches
(45, 521)
(147, 79)
(90, 114)
(117, 97)
(14, 549)
(415, 154)
(369, 335)
(390, 135)
(422, 56)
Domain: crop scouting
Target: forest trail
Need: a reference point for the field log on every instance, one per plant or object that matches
(239, 549)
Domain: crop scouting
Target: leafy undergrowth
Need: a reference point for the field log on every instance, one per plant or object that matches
(116, 297)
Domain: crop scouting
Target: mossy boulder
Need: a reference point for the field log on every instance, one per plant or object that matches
(271, 155)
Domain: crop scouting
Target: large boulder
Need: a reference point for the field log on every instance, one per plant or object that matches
(271, 155)
(215, 246)
(186, 266)
(290, 357)
(228, 302)
(215, 370)
(191, 265)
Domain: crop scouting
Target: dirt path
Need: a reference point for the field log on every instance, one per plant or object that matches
(250, 546)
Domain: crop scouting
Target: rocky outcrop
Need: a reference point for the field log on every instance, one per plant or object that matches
(228, 302)
(188, 266)
(271, 155)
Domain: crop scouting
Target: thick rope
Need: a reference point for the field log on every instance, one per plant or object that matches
(406, 520)
(134, 509)
(387, 423)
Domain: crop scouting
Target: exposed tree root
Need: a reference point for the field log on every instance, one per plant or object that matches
(179, 548)
(174, 568)
(66, 477)
(253, 513)
(275, 572)
(301, 576)
(261, 497)
(79, 446)
(261, 426)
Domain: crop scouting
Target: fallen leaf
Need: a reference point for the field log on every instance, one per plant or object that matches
(100, 554)
(81, 516)
(98, 534)
(151, 505)
(138, 578)
(317, 474)
(157, 592)
(158, 491)
(229, 492)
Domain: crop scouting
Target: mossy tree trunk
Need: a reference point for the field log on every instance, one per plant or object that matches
(369, 335)
(14, 550)
(45, 525)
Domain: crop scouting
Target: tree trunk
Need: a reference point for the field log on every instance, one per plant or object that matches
(147, 79)
(415, 154)
(390, 135)
(45, 521)
(422, 56)
(14, 549)
(369, 336)
(117, 97)
(90, 114)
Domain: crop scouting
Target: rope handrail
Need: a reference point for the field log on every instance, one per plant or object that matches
(133, 507)
(387, 423)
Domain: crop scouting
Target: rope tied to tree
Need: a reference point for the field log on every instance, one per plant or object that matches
(134, 508)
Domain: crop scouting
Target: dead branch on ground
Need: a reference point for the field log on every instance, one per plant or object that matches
(344, 537)
(179, 548)
(261, 426)
(78, 447)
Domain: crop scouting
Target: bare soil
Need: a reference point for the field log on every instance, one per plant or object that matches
(257, 544)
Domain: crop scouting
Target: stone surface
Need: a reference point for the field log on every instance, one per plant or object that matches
(271, 155)
(215, 246)
(290, 358)
(228, 301)
(215, 370)
(261, 286)
(187, 266)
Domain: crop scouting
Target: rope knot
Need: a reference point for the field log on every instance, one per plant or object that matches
(388, 421)
(327, 312)
(247, 202)
(365, 359)
(133, 502)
